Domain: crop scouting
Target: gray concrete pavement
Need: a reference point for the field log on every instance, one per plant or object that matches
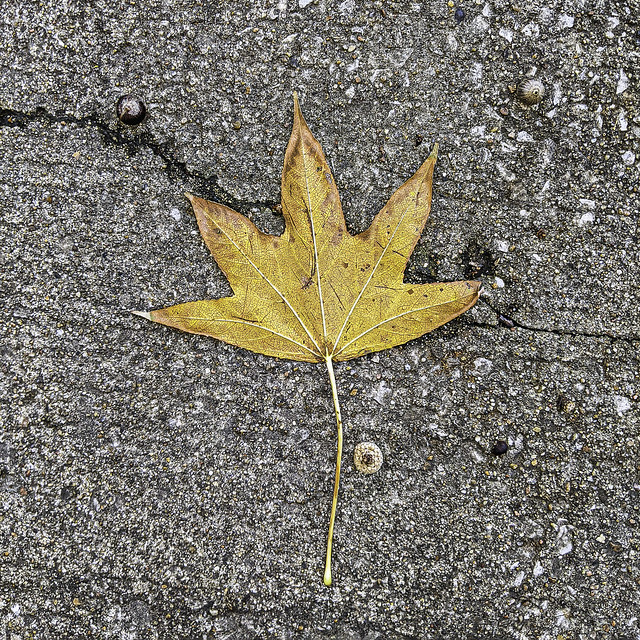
(160, 485)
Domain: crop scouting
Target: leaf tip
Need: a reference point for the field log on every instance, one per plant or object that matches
(297, 111)
(434, 151)
(142, 314)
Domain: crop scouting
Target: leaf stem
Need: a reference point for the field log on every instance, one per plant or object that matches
(336, 485)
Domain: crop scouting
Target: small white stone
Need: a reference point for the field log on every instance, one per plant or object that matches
(482, 366)
(622, 121)
(347, 7)
(519, 578)
(623, 82)
(524, 136)
(380, 392)
(175, 214)
(507, 34)
(629, 158)
(546, 15)
(565, 21)
(507, 174)
(502, 246)
(622, 404)
(567, 548)
(479, 25)
(475, 72)
(499, 282)
(601, 539)
(586, 218)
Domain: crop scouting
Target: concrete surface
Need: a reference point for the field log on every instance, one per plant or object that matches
(161, 485)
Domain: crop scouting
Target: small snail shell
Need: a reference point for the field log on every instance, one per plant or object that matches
(530, 91)
(367, 457)
(130, 110)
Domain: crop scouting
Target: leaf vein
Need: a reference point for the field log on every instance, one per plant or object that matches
(316, 266)
(254, 325)
(266, 279)
(400, 315)
(384, 250)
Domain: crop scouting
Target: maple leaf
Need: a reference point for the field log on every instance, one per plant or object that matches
(316, 293)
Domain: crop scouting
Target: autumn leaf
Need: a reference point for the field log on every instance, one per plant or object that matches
(316, 293)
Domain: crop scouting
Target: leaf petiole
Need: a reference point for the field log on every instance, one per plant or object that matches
(336, 485)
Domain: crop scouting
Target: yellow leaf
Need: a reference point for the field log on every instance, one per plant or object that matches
(316, 293)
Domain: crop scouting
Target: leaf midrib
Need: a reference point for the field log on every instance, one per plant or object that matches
(313, 236)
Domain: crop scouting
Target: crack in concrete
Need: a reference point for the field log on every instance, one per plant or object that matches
(206, 187)
(510, 323)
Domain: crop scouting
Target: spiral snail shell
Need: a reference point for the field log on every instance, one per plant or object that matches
(530, 91)
(130, 110)
(367, 457)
